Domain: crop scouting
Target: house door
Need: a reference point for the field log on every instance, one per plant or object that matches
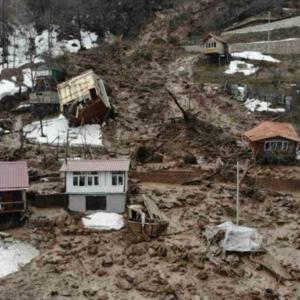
(95, 203)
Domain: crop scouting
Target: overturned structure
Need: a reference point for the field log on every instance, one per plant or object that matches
(146, 220)
(83, 99)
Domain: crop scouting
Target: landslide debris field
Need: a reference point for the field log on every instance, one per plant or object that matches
(148, 78)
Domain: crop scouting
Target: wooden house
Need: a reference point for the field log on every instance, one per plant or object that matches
(215, 45)
(44, 91)
(93, 185)
(13, 185)
(273, 139)
(83, 99)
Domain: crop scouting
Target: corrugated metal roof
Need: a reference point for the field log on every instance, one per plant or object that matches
(112, 164)
(13, 175)
(267, 129)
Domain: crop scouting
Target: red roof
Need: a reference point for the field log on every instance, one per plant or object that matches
(13, 176)
(112, 164)
(267, 129)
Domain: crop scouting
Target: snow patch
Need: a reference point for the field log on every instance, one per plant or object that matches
(104, 221)
(258, 105)
(58, 127)
(18, 52)
(15, 254)
(19, 44)
(7, 88)
(238, 66)
(255, 55)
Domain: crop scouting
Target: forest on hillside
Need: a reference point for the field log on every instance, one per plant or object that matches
(100, 16)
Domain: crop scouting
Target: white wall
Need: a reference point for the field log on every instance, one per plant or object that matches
(114, 203)
(105, 185)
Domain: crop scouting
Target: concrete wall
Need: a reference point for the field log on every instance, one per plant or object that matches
(105, 185)
(286, 23)
(283, 47)
(114, 203)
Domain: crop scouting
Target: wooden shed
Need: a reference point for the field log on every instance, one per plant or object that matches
(273, 139)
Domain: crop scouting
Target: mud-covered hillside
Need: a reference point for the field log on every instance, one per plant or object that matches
(181, 119)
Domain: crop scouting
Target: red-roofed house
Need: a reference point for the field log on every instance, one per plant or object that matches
(13, 185)
(273, 138)
(96, 184)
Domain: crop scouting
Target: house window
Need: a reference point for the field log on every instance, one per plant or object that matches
(95, 178)
(86, 178)
(90, 180)
(276, 145)
(76, 176)
(267, 146)
(82, 180)
(117, 178)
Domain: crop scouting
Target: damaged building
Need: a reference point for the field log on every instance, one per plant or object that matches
(83, 99)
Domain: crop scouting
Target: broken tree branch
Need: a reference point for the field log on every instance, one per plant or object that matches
(186, 115)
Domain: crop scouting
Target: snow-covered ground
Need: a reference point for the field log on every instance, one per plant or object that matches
(238, 66)
(20, 43)
(13, 255)
(55, 131)
(104, 221)
(258, 105)
(254, 55)
(10, 87)
(18, 52)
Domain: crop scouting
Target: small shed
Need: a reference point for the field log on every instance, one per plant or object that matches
(14, 182)
(273, 139)
(215, 45)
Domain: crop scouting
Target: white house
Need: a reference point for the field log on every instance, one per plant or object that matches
(96, 184)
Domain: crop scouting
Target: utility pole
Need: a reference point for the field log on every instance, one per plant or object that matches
(237, 193)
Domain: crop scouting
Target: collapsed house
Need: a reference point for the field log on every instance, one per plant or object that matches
(83, 99)
(96, 185)
(147, 219)
(273, 140)
(14, 182)
(44, 94)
